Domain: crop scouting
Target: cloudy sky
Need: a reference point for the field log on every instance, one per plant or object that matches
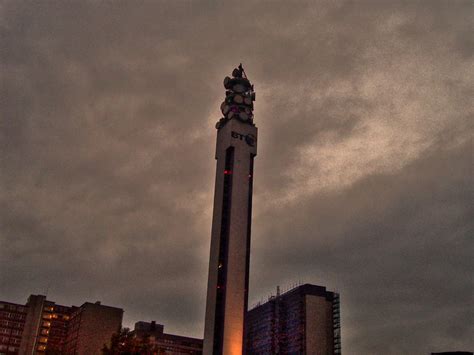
(363, 179)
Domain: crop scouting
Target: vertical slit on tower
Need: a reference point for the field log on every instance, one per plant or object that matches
(247, 255)
(223, 253)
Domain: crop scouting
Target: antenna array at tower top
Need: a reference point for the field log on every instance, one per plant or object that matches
(240, 95)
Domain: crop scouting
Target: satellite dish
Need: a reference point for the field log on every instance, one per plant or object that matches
(230, 115)
(247, 100)
(225, 109)
(238, 99)
(220, 123)
(239, 88)
(227, 83)
(243, 116)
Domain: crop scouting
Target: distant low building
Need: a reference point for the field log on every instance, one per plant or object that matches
(163, 343)
(304, 320)
(42, 326)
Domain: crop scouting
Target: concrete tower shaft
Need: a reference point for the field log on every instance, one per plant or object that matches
(227, 293)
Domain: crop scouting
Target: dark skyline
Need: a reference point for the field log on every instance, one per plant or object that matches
(363, 183)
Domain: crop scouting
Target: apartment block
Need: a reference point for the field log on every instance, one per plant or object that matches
(41, 326)
(304, 320)
(163, 343)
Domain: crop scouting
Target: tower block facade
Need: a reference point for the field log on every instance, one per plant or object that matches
(228, 284)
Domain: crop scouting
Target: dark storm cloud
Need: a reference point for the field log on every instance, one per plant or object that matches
(391, 244)
(362, 180)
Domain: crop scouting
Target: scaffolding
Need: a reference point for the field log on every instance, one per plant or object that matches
(336, 319)
(278, 326)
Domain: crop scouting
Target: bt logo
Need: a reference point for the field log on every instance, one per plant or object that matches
(249, 138)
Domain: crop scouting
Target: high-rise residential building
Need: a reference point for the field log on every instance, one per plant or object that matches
(164, 343)
(304, 320)
(42, 326)
(45, 326)
(228, 282)
(90, 327)
(12, 323)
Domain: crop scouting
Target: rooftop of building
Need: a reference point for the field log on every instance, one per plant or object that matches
(48, 303)
(305, 289)
(152, 328)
